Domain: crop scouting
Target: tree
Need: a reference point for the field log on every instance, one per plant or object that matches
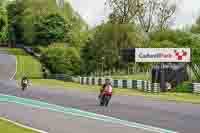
(196, 27)
(156, 14)
(104, 47)
(159, 36)
(15, 14)
(51, 28)
(172, 37)
(3, 22)
(3, 3)
(78, 33)
(163, 44)
(26, 14)
(150, 14)
(2, 19)
(124, 11)
(62, 60)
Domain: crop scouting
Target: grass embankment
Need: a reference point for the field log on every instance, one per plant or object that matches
(137, 76)
(26, 64)
(178, 97)
(7, 127)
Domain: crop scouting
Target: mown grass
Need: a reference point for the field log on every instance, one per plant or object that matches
(26, 64)
(136, 76)
(178, 97)
(7, 127)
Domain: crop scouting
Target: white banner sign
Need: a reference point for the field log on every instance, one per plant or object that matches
(162, 55)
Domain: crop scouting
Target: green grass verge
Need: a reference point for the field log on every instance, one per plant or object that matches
(7, 127)
(137, 76)
(178, 97)
(26, 64)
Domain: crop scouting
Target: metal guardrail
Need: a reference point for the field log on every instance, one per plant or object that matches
(141, 85)
(196, 88)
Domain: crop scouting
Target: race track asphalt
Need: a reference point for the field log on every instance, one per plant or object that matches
(7, 66)
(53, 122)
(180, 117)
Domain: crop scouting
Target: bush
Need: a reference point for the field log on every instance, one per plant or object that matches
(39, 49)
(62, 60)
(52, 28)
(162, 44)
(3, 37)
(184, 87)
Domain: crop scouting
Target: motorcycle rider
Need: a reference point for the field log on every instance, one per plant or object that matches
(24, 82)
(106, 92)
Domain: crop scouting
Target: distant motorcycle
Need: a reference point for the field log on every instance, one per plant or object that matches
(24, 85)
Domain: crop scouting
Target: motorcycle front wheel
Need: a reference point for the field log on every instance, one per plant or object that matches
(24, 87)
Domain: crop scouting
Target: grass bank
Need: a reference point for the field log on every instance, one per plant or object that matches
(7, 127)
(26, 64)
(136, 76)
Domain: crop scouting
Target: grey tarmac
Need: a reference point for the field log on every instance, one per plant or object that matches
(180, 117)
(53, 122)
(7, 66)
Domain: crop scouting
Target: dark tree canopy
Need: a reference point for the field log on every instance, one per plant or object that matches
(51, 28)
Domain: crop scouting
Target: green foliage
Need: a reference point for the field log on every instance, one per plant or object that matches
(184, 88)
(15, 15)
(196, 55)
(196, 27)
(51, 28)
(162, 44)
(105, 44)
(173, 38)
(2, 20)
(62, 60)
(39, 49)
(3, 36)
(32, 21)
(163, 35)
(3, 23)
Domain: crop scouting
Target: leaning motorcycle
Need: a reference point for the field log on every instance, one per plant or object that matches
(104, 100)
(24, 85)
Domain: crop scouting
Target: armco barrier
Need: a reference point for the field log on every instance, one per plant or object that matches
(124, 83)
(96, 81)
(90, 81)
(115, 83)
(141, 85)
(134, 84)
(84, 80)
(196, 88)
(155, 87)
(81, 80)
(87, 80)
(93, 81)
(76, 79)
(129, 84)
(145, 86)
(120, 84)
(149, 87)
